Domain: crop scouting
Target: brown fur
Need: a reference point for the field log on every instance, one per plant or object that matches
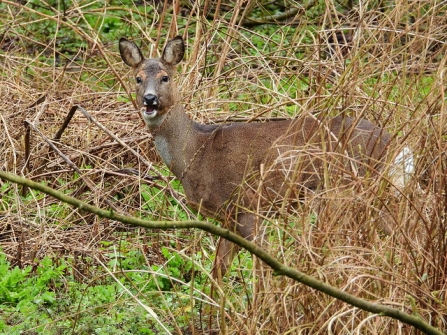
(224, 168)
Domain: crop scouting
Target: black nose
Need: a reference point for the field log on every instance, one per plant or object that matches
(150, 100)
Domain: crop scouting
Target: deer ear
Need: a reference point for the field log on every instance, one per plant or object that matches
(174, 51)
(130, 53)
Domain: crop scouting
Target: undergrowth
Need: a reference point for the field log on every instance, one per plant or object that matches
(64, 271)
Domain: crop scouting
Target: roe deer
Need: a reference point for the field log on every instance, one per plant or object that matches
(231, 171)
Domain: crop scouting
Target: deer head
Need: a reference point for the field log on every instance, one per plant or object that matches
(156, 91)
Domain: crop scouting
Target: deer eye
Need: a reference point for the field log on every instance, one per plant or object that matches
(165, 79)
(138, 80)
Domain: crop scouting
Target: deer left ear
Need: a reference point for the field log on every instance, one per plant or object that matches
(174, 51)
(130, 53)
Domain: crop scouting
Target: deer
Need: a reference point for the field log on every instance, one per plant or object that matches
(234, 171)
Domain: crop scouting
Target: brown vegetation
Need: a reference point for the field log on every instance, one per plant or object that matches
(390, 70)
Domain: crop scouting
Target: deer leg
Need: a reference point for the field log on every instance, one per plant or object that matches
(226, 250)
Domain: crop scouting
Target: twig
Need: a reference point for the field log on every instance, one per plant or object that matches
(27, 152)
(27, 139)
(273, 19)
(67, 120)
(67, 160)
(92, 119)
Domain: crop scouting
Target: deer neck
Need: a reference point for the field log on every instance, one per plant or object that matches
(176, 140)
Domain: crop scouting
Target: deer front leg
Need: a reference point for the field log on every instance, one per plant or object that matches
(226, 250)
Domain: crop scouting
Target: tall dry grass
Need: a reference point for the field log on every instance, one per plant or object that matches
(383, 64)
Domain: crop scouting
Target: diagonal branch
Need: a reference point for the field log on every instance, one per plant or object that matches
(279, 268)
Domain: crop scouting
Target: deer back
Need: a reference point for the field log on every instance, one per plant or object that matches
(243, 163)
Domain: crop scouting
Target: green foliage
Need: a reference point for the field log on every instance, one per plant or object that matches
(25, 292)
(157, 204)
(97, 17)
(7, 196)
(29, 298)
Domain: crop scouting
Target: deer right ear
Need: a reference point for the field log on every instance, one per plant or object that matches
(174, 51)
(130, 53)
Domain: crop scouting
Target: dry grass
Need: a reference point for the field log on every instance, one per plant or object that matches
(388, 67)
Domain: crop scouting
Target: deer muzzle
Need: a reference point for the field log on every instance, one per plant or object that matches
(150, 101)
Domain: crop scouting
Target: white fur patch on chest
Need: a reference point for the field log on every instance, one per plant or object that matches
(163, 149)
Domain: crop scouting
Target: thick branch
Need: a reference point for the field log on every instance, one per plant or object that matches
(277, 266)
